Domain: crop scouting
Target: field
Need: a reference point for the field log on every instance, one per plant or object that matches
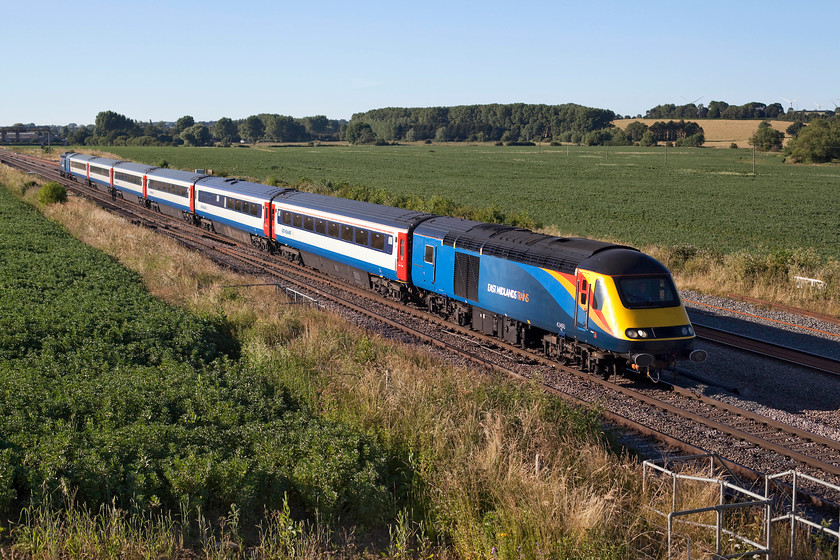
(127, 400)
(708, 200)
(720, 133)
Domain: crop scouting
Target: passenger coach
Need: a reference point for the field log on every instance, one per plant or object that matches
(238, 209)
(130, 180)
(348, 238)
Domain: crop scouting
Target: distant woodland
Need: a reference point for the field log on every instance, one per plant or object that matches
(509, 124)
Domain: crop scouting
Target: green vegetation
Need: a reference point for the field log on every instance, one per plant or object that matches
(128, 401)
(819, 142)
(52, 193)
(705, 199)
(766, 138)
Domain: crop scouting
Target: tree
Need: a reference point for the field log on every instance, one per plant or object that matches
(286, 129)
(774, 110)
(183, 123)
(648, 139)
(225, 130)
(793, 130)
(316, 126)
(359, 133)
(767, 138)
(197, 135)
(252, 128)
(111, 124)
(635, 130)
(819, 142)
(716, 109)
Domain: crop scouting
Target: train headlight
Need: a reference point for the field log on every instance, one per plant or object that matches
(687, 330)
(637, 333)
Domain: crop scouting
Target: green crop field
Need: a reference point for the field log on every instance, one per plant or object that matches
(704, 198)
(124, 399)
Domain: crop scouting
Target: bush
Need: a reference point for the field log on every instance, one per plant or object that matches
(51, 193)
(767, 138)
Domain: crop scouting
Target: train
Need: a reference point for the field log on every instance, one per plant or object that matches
(604, 307)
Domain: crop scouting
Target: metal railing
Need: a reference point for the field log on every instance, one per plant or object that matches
(293, 296)
(726, 489)
(793, 515)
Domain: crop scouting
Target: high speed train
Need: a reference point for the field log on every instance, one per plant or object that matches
(601, 306)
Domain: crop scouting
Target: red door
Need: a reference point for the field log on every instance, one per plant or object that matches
(267, 219)
(192, 198)
(145, 181)
(402, 257)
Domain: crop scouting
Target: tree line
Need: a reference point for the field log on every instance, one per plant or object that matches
(480, 123)
(516, 123)
(723, 110)
(111, 128)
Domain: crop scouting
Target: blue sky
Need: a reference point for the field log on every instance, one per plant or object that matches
(160, 60)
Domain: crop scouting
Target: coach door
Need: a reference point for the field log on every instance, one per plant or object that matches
(402, 257)
(267, 219)
(582, 302)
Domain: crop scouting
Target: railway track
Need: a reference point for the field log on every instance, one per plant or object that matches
(767, 349)
(675, 416)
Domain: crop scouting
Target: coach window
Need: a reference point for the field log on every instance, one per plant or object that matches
(320, 226)
(377, 241)
(287, 217)
(333, 229)
(347, 233)
(361, 236)
(309, 223)
(429, 257)
(255, 210)
(297, 220)
(230, 203)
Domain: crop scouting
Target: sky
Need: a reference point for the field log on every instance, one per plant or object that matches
(64, 62)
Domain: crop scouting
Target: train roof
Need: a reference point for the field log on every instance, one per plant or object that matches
(376, 213)
(235, 186)
(93, 159)
(623, 261)
(175, 174)
(563, 254)
(136, 167)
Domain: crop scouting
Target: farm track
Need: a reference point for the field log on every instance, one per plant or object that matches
(682, 420)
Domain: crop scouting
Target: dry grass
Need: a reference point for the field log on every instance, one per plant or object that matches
(768, 277)
(720, 133)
